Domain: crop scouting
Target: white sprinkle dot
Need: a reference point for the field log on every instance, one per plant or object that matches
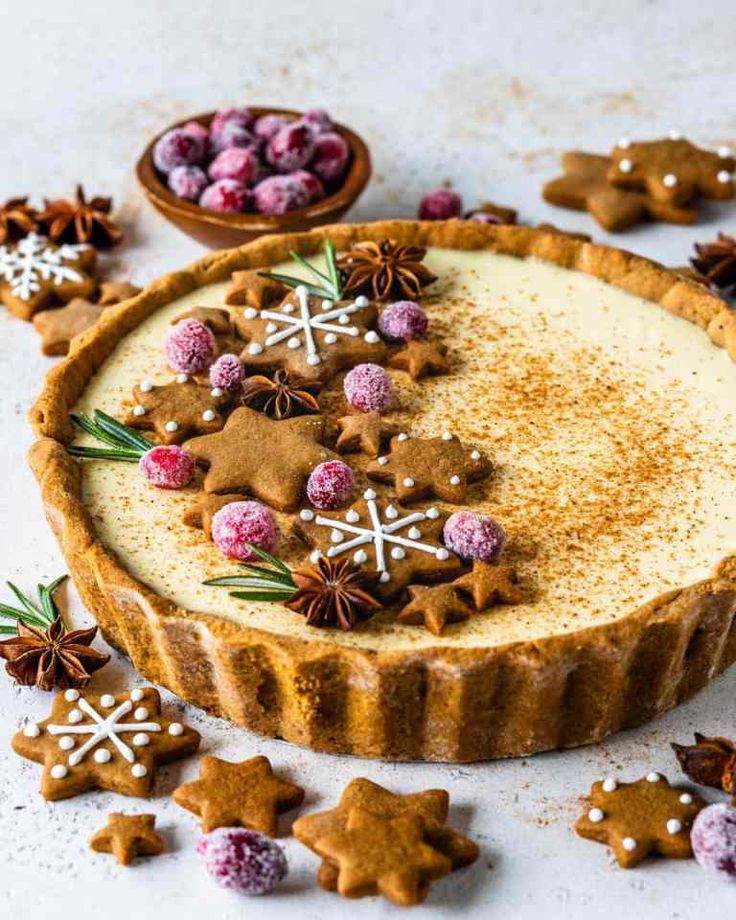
(146, 386)
(369, 494)
(383, 461)
(140, 739)
(442, 554)
(360, 556)
(31, 730)
(140, 714)
(71, 696)
(66, 742)
(432, 513)
(670, 180)
(102, 755)
(624, 143)
(724, 152)
(107, 700)
(674, 826)
(271, 327)
(182, 378)
(391, 513)
(724, 177)
(653, 777)
(475, 455)
(352, 516)
(172, 426)
(610, 785)
(403, 436)
(344, 319)
(254, 348)
(408, 482)
(326, 305)
(674, 135)
(330, 338)
(371, 337)
(139, 410)
(176, 729)
(250, 313)
(596, 815)
(58, 771)
(414, 533)
(287, 308)
(75, 716)
(208, 415)
(137, 695)
(686, 798)
(446, 435)
(293, 342)
(455, 480)
(629, 844)
(625, 165)
(306, 515)
(398, 553)
(216, 392)
(361, 301)
(337, 536)
(138, 770)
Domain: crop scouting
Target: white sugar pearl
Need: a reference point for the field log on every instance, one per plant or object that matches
(674, 826)
(385, 577)
(254, 348)
(287, 308)
(414, 533)
(337, 536)
(360, 556)
(75, 716)
(293, 342)
(403, 436)
(629, 844)
(624, 143)
(654, 777)
(146, 386)
(391, 513)
(58, 771)
(446, 435)
(216, 392)
(139, 410)
(674, 135)
(344, 319)
(313, 360)
(31, 730)
(107, 700)
(408, 482)
(352, 516)
(271, 327)
(140, 739)
(442, 554)
(315, 555)
(475, 455)
(361, 301)
(724, 177)
(432, 513)
(66, 742)
(306, 515)
(371, 337)
(250, 313)
(455, 480)
(137, 695)
(330, 338)
(596, 815)
(686, 799)
(182, 378)
(176, 729)
(208, 415)
(382, 461)
(172, 426)
(610, 785)
(140, 714)
(369, 495)
(398, 553)
(326, 305)
(71, 696)
(138, 770)
(724, 152)
(102, 755)
(625, 165)
(670, 180)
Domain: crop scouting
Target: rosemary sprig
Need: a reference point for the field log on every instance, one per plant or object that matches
(270, 582)
(40, 614)
(327, 285)
(122, 442)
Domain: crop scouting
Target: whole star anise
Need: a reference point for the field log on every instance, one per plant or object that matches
(384, 270)
(716, 262)
(333, 593)
(281, 396)
(17, 219)
(80, 221)
(709, 762)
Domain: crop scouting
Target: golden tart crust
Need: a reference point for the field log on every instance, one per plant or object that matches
(436, 702)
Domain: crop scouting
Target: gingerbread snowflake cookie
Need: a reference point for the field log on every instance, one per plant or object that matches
(641, 818)
(177, 410)
(106, 741)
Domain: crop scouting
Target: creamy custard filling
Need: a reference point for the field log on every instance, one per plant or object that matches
(611, 425)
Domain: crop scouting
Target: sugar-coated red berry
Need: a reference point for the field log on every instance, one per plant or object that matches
(177, 148)
(227, 373)
(312, 185)
(240, 523)
(240, 163)
(402, 321)
(318, 120)
(441, 204)
(331, 154)
(279, 194)
(474, 536)
(227, 196)
(188, 182)
(167, 466)
(292, 147)
(190, 346)
(330, 485)
(197, 130)
(713, 838)
(231, 134)
(368, 388)
(267, 125)
(240, 116)
(243, 860)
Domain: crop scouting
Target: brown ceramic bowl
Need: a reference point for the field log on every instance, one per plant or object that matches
(222, 231)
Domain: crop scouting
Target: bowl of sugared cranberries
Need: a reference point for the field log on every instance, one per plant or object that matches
(228, 176)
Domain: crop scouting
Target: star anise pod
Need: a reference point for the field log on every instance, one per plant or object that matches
(281, 396)
(384, 270)
(80, 221)
(17, 219)
(716, 262)
(709, 762)
(332, 593)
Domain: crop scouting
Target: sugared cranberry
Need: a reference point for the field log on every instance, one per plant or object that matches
(368, 388)
(312, 185)
(243, 860)
(226, 195)
(190, 346)
(177, 148)
(240, 163)
(238, 116)
(331, 156)
(267, 125)
(441, 204)
(231, 134)
(167, 466)
(318, 120)
(279, 194)
(240, 523)
(227, 373)
(474, 536)
(188, 182)
(292, 147)
(330, 485)
(197, 130)
(402, 321)
(713, 839)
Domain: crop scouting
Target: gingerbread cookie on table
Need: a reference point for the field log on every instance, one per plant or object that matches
(177, 410)
(421, 358)
(114, 292)
(58, 327)
(128, 836)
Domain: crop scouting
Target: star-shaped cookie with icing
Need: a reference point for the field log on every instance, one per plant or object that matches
(177, 410)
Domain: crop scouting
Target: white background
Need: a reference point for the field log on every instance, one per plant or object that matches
(485, 94)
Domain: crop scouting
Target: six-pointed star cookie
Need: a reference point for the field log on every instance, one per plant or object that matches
(364, 431)
(641, 818)
(427, 467)
(420, 358)
(403, 547)
(177, 410)
(128, 836)
(259, 456)
(434, 606)
(489, 584)
(245, 794)
(105, 741)
(58, 327)
(311, 338)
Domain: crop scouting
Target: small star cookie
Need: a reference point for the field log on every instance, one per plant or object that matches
(58, 327)
(366, 432)
(215, 318)
(113, 292)
(243, 794)
(435, 606)
(489, 584)
(177, 410)
(420, 358)
(251, 289)
(128, 836)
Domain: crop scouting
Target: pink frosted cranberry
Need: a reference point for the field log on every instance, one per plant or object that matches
(318, 120)
(196, 130)
(402, 321)
(441, 204)
(167, 466)
(312, 185)
(188, 182)
(190, 346)
(240, 523)
(330, 485)
(713, 838)
(243, 860)
(239, 163)
(368, 388)
(292, 147)
(474, 536)
(227, 196)
(279, 194)
(231, 134)
(267, 125)
(227, 373)
(177, 148)
(331, 156)
(239, 116)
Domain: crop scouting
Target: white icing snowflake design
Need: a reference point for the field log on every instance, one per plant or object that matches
(334, 321)
(379, 534)
(32, 260)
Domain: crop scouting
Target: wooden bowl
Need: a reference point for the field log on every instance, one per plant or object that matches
(222, 231)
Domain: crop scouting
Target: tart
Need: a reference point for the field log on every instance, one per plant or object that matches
(587, 377)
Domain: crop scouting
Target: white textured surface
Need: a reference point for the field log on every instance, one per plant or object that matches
(486, 94)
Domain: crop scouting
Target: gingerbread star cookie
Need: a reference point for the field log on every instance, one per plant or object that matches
(585, 187)
(34, 274)
(309, 337)
(128, 836)
(429, 467)
(365, 431)
(204, 507)
(177, 410)
(251, 289)
(243, 794)
(489, 584)
(373, 532)
(58, 327)
(435, 606)
(421, 358)
(105, 741)
(113, 292)
(640, 819)
(215, 318)
(673, 170)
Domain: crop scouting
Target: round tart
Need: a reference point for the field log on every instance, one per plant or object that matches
(585, 376)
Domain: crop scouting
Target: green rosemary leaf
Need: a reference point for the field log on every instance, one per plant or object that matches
(46, 596)
(312, 289)
(258, 583)
(309, 267)
(12, 613)
(26, 602)
(100, 453)
(125, 435)
(86, 424)
(267, 557)
(260, 572)
(8, 631)
(262, 595)
(331, 257)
